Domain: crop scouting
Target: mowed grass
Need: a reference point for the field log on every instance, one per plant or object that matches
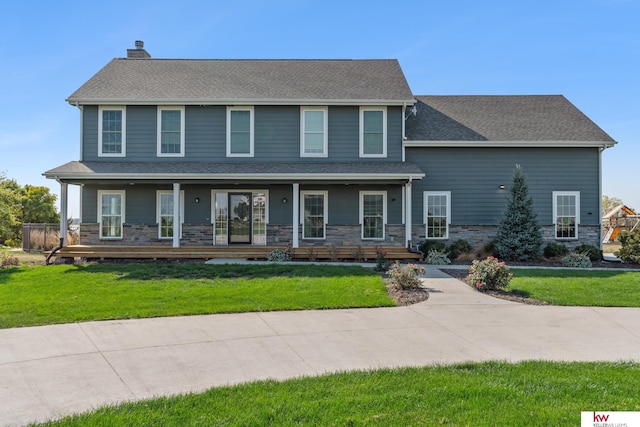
(610, 288)
(483, 394)
(42, 295)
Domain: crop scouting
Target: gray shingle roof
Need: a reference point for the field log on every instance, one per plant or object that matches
(221, 81)
(501, 118)
(235, 171)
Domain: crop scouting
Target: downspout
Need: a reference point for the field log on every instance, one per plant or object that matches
(81, 108)
(604, 147)
(404, 136)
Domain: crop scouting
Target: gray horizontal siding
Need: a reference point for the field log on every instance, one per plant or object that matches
(473, 176)
(140, 202)
(276, 135)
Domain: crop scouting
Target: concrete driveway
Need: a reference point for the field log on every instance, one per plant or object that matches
(51, 371)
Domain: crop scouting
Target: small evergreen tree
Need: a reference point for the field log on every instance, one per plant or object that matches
(519, 236)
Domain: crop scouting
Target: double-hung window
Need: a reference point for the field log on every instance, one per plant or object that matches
(313, 129)
(566, 214)
(111, 213)
(164, 214)
(314, 214)
(240, 131)
(437, 214)
(373, 214)
(171, 131)
(112, 131)
(373, 132)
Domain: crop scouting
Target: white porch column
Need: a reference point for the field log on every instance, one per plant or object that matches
(296, 213)
(176, 215)
(407, 221)
(63, 213)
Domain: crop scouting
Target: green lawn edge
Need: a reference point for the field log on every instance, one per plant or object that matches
(533, 393)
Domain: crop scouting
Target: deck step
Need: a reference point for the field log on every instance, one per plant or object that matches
(244, 252)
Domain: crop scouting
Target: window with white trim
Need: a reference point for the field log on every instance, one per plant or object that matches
(373, 132)
(313, 128)
(437, 214)
(112, 131)
(170, 131)
(164, 213)
(373, 214)
(240, 131)
(314, 214)
(566, 214)
(111, 213)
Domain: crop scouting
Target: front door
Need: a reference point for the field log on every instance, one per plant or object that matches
(239, 217)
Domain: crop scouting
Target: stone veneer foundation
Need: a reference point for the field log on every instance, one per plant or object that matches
(480, 235)
(202, 235)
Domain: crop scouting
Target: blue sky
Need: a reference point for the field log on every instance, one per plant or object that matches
(586, 50)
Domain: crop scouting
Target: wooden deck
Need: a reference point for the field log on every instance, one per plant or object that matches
(321, 253)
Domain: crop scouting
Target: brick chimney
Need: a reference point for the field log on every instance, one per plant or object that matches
(138, 52)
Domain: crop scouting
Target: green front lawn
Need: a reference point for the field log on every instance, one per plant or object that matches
(610, 288)
(484, 394)
(42, 295)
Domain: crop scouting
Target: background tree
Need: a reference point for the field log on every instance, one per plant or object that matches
(609, 203)
(519, 236)
(38, 205)
(19, 205)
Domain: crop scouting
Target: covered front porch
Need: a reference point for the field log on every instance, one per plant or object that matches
(310, 207)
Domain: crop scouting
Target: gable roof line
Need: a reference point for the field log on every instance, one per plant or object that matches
(514, 144)
(96, 101)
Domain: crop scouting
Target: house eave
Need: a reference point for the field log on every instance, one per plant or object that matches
(232, 177)
(511, 144)
(123, 101)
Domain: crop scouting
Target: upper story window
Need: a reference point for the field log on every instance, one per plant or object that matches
(171, 131)
(566, 214)
(373, 132)
(437, 212)
(111, 213)
(112, 127)
(240, 131)
(373, 214)
(313, 128)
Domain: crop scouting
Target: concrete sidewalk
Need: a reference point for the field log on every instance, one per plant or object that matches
(51, 371)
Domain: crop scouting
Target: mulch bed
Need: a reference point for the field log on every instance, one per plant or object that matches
(406, 296)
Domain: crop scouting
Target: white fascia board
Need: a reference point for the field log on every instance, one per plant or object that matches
(398, 102)
(511, 144)
(235, 177)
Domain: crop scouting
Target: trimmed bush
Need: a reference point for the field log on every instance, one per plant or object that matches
(428, 245)
(279, 256)
(576, 260)
(435, 257)
(554, 250)
(592, 252)
(458, 248)
(405, 277)
(488, 250)
(489, 274)
(630, 251)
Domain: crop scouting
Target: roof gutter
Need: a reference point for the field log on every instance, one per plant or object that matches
(233, 177)
(512, 144)
(239, 101)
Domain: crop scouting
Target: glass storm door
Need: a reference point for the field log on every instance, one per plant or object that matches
(239, 217)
